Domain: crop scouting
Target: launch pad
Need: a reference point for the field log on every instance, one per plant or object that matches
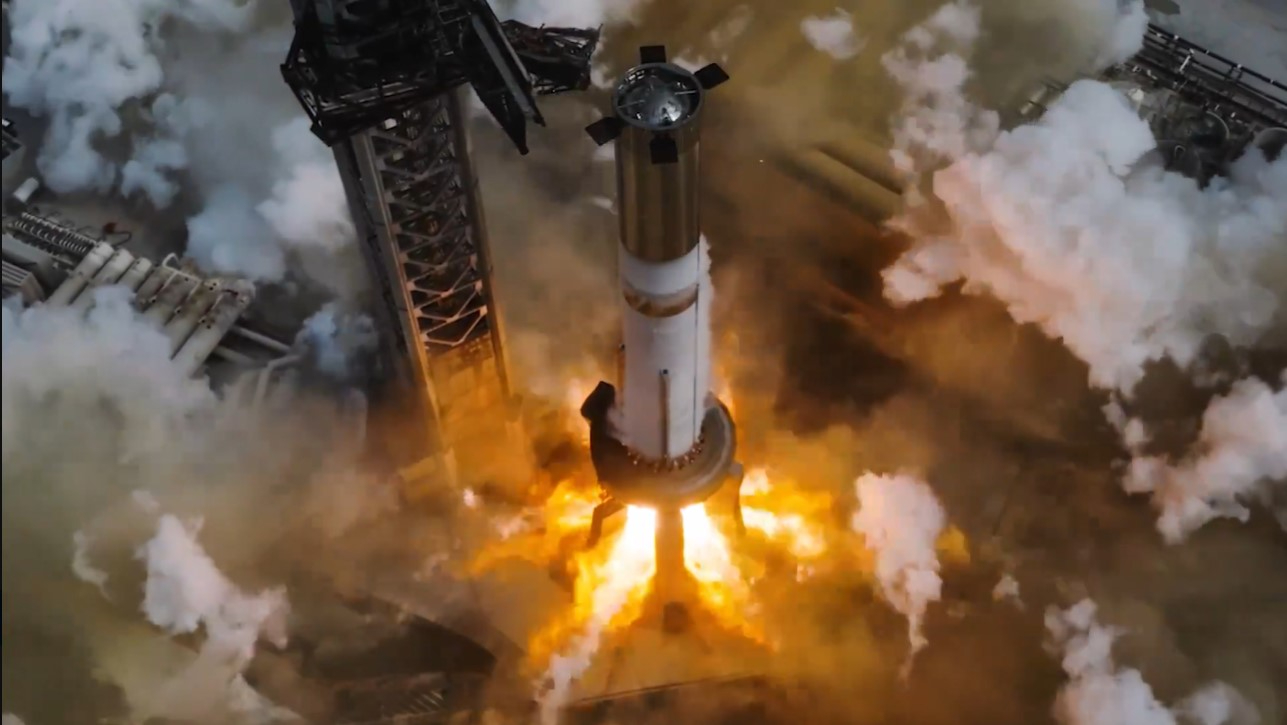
(659, 439)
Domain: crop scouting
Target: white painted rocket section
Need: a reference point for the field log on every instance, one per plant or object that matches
(705, 296)
(667, 359)
(660, 279)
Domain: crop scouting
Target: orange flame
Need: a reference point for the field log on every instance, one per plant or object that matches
(720, 584)
(611, 584)
(785, 515)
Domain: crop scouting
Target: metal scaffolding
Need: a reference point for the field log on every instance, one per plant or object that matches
(411, 187)
(383, 86)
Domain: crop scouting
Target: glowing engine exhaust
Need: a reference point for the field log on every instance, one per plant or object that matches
(660, 438)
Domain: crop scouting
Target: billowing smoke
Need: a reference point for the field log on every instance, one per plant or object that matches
(95, 413)
(182, 105)
(80, 63)
(900, 520)
(1071, 224)
(833, 34)
(570, 13)
(1240, 458)
(55, 362)
(305, 211)
(340, 341)
(186, 591)
(1061, 206)
(1099, 691)
(82, 567)
(936, 121)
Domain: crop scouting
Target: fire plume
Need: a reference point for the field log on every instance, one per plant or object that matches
(721, 586)
(785, 515)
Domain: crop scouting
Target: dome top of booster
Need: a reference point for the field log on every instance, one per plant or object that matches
(657, 97)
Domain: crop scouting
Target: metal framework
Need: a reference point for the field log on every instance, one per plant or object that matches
(1204, 109)
(431, 698)
(10, 139)
(354, 63)
(381, 81)
(414, 198)
(1209, 80)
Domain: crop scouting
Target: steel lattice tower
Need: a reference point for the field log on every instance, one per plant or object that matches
(383, 83)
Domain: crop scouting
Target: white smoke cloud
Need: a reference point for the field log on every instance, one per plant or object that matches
(55, 362)
(305, 211)
(901, 519)
(82, 567)
(80, 62)
(338, 340)
(1241, 456)
(936, 122)
(267, 480)
(10, 719)
(229, 236)
(1099, 692)
(307, 208)
(1070, 223)
(833, 34)
(1124, 24)
(214, 119)
(1007, 590)
(569, 13)
(158, 159)
(1060, 206)
(186, 591)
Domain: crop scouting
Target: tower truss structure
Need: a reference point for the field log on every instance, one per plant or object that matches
(383, 83)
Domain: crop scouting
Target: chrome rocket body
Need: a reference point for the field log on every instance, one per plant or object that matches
(659, 437)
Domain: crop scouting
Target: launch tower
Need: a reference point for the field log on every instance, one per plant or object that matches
(383, 83)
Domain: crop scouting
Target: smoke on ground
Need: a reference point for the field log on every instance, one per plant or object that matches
(181, 105)
(901, 520)
(111, 460)
(1240, 458)
(339, 341)
(833, 34)
(1072, 224)
(1099, 691)
(184, 592)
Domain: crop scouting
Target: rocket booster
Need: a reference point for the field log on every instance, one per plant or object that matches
(662, 404)
(662, 265)
(659, 437)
